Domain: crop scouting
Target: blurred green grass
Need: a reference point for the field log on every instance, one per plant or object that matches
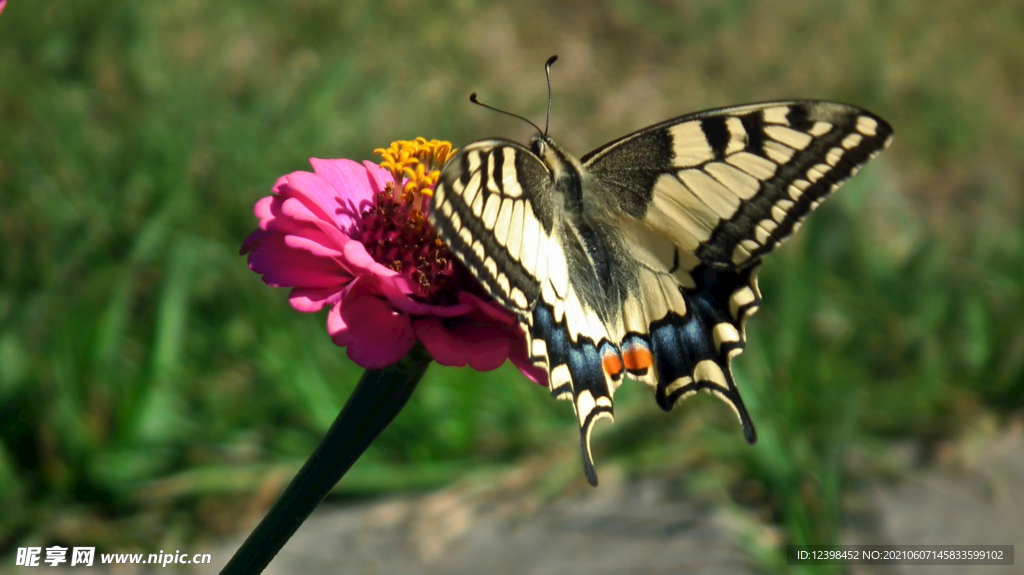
(151, 386)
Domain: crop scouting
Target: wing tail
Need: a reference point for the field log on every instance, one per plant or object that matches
(581, 371)
(692, 344)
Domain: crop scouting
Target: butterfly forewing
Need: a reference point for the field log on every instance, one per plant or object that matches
(729, 185)
(496, 207)
(640, 259)
(492, 193)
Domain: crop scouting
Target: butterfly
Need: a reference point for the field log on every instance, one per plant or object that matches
(640, 258)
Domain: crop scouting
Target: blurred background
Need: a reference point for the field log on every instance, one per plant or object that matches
(155, 393)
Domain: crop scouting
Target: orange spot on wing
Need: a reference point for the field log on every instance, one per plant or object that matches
(637, 358)
(612, 364)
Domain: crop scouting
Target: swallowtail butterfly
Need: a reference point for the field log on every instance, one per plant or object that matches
(640, 258)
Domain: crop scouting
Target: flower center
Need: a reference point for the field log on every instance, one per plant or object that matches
(395, 229)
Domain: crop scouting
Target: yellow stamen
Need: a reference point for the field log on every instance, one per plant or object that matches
(420, 162)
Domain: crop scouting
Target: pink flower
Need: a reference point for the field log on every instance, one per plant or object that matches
(2, 4)
(344, 237)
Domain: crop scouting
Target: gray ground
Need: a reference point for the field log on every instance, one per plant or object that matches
(975, 495)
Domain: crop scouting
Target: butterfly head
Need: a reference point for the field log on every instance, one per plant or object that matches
(556, 157)
(541, 144)
(567, 173)
(550, 153)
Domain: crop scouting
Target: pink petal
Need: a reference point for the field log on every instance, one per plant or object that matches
(355, 185)
(278, 214)
(298, 208)
(309, 300)
(289, 216)
(282, 266)
(461, 341)
(517, 355)
(336, 326)
(361, 262)
(374, 333)
(299, 236)
(397, 290)
(264, 210)
(316, 195)
(379, 177)
(254, 239)
(492, 309)
(315, 247)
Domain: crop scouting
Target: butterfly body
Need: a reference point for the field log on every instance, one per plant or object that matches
(639, 259)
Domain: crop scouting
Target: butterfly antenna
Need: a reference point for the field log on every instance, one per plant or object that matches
(547, 72)
(472, 98)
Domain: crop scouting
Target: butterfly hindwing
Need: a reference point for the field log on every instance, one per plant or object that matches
(686, 324)
(640, 258)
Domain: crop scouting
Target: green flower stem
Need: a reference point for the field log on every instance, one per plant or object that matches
(377, 399)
